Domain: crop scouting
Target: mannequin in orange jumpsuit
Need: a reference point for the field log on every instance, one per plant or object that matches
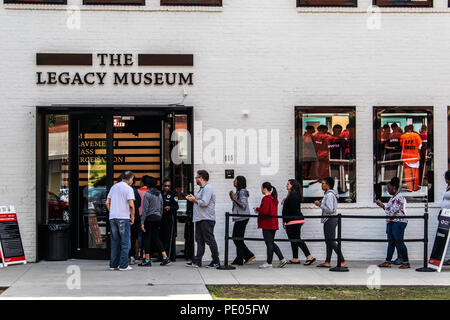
(423, 152)
(411, 143)
(320, 140)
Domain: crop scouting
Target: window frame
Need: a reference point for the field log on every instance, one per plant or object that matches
(298, 131)
(430, 138)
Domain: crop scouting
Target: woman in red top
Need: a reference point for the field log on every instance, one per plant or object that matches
(269, 226)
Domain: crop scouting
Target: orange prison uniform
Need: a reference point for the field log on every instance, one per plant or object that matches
(321, 145)
(309, 157)
(346, 147)
(410, 143)
(383, 141)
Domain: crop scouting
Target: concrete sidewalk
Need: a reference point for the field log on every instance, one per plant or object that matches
(49, 279)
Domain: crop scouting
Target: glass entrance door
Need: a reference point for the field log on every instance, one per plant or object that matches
(91, 156)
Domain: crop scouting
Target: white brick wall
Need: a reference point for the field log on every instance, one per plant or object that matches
(261, 55)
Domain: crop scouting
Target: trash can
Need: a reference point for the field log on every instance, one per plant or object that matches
(56, 241)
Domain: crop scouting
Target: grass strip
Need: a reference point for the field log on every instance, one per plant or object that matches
(246, 292)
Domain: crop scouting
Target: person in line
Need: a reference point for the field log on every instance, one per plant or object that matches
(240, 207)
(329, 210)
(142, 191)
(120, 204)
(151, 222)
(396, 223)
(169, 218)
(446, 205)
(134, 248)
(293, 221)
(269, 226)
(204, 218)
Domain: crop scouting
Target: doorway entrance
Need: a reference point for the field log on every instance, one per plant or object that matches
(93, 148)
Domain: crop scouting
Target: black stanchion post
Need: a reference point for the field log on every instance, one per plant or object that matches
(425, 244)
(225, 266)
(338, 268)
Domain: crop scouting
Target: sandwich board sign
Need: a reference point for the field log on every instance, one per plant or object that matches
(440, 242)
(11, 248)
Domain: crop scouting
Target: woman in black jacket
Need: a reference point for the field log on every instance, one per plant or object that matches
(293, 222)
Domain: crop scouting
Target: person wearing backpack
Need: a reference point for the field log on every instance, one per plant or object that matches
(329, 211)
(152, 207)
(269, 226)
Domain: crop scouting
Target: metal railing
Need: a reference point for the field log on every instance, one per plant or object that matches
(339, 238)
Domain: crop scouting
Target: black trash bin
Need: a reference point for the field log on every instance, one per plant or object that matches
(56, 239)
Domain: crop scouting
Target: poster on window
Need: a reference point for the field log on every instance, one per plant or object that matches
(403, 149)
(326, 148)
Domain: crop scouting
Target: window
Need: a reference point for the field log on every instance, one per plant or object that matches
(217, 3)
(327, 3)
(403, 148)
(403, 3)
(37, 1)
(325, 147)
(115, 2)
(58, 168)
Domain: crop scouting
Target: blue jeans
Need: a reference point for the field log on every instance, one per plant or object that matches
(120, 243)
(396, 231)
(141, 245)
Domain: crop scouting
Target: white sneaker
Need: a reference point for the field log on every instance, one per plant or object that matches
(265, 266)
(113, 269)
(282, 263)
(126, 269)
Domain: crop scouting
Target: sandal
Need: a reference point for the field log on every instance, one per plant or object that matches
(309, 262)
(293, 262)
(324, 265)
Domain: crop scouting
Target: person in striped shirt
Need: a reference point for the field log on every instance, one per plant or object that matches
(396, 223)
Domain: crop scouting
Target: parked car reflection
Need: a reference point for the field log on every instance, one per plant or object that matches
(58, 209)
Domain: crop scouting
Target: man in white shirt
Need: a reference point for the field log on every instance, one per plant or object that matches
(120, 204)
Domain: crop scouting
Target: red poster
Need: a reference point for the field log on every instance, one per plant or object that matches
(93, 223)
(10, 240)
